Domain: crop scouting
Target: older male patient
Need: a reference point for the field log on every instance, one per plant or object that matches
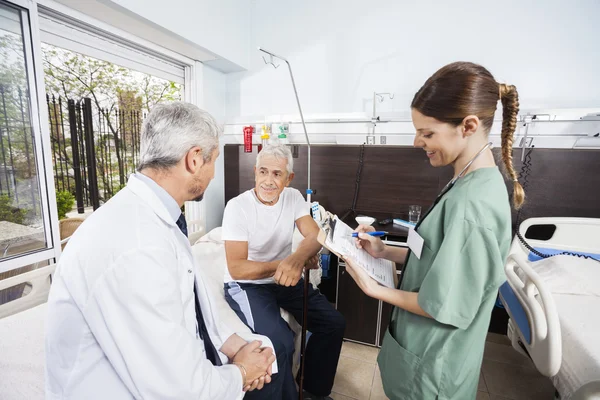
(264, 275)
(128, 317)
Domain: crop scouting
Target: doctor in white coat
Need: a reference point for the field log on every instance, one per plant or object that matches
(123, 318)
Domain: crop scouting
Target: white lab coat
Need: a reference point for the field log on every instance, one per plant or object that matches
(121, 317)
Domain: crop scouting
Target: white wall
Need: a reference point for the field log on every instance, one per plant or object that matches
(214, 83)
(343, 50)
(221, 27)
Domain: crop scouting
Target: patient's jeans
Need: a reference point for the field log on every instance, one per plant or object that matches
(258, 307)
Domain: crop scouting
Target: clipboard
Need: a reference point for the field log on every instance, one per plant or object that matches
(382, 271)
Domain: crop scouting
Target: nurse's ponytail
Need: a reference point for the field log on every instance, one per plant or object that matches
(463, 88)
(510, 109)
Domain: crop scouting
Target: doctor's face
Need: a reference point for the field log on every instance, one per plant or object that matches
(442, 142)
(202, 177)
(271, 177)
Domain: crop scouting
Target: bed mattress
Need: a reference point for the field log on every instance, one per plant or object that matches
(22, 355)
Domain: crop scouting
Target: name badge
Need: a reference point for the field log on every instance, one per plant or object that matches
(415, 243)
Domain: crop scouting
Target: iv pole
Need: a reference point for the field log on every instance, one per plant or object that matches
(309, 191)
(308, 196)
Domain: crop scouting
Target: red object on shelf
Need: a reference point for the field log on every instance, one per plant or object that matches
(248, 131)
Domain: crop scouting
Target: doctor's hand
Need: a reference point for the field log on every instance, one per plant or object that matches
(367, 284)
(289, 271)
(259, 383)
(257, 364)
(373, 245)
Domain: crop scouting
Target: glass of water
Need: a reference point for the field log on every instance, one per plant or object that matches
(414, 213)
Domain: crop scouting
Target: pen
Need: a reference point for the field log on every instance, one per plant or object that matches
(376, 233)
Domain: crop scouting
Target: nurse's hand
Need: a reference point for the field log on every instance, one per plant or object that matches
(373, 245)
(367, 284)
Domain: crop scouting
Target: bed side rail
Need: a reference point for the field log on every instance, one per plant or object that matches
(39, 279)
(545, 348)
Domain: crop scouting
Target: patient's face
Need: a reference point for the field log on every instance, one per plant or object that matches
(271, 178)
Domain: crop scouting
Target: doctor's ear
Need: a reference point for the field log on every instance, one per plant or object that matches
(470, 125)
(194, 159)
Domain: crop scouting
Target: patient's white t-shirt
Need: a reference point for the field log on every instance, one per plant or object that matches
(267, 229)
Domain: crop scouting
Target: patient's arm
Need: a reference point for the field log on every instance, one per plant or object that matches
(309, 245)
(290, 269)
(240, 268)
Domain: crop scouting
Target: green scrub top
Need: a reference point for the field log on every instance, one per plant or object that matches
(467, 237)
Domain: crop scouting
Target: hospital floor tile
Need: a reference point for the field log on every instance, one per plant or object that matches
(516, 382)
(354, 378)
(505, 354)
(360, 352)
(377, 392)
(337, 396)
(505, 374)
(497, 338)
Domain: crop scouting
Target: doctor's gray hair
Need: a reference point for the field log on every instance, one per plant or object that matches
(171, 129)
(279, 151)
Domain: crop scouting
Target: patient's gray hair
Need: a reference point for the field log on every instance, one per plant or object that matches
(171, 130)
(279, 151)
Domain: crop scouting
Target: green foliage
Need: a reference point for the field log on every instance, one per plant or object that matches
(64, 203)
(111, 88)
(10, 213)
(75, 76)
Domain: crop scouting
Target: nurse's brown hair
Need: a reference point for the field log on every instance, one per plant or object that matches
(461, 89)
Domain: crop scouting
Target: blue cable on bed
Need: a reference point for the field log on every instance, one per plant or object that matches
(554, 252)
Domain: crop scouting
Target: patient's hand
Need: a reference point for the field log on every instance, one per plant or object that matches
(289, 271)
(313, 262)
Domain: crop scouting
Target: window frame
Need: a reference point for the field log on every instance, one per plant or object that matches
(39, 124)
(192, 81)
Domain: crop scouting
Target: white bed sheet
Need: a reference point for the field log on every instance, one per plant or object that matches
(22, 355)
(575, 287)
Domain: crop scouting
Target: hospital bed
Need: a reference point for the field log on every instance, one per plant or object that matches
(554, 303)
(22, 336)
(22, 321)
(210, 251)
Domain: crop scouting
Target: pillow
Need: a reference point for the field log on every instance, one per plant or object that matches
(569, 275)
(209, 255)
(213, 236)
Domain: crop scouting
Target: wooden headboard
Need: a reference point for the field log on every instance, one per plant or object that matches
(562, 183)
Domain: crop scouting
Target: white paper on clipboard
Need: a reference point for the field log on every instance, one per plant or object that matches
(343, 244)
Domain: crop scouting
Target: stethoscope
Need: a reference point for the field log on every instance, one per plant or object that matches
(445, 190)
(452, 182)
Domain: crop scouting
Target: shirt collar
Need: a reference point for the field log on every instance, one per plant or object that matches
(167, 200)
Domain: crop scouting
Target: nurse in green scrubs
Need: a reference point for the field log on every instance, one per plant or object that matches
(433, 348)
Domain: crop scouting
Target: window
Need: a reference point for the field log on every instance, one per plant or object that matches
(25, 223)
(85, 94)
(33, 165)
